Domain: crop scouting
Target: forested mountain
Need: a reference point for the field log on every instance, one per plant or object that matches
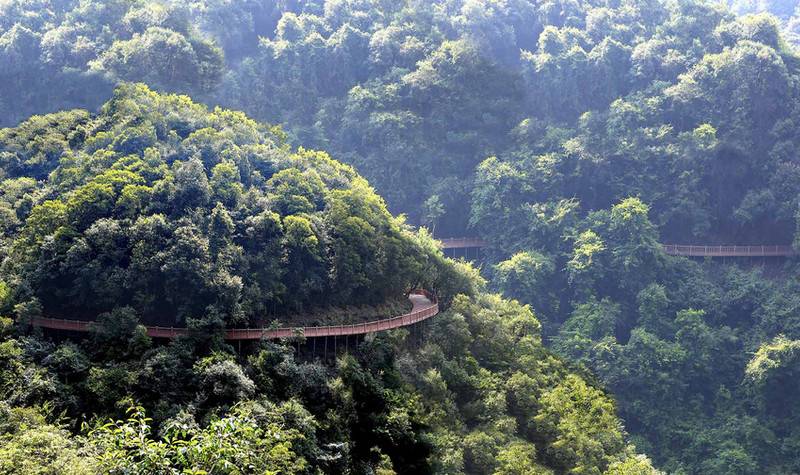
(573, 135)
(786, 11)
(157, 210)
(699, 355)
(691, 107)
(161, 206)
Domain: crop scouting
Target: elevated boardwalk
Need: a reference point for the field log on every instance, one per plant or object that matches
(462, 243)
(729, 251)
(424, 303)
(671, 249)
(424, 307)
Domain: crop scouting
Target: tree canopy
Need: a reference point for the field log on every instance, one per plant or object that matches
(572, 136)
(174, 212)
(158, 210)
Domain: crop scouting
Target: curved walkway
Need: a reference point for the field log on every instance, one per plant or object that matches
(425, 306)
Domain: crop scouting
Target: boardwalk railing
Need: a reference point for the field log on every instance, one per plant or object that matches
(671, 249)
(462, 243)
(420, 311)
(730, 251)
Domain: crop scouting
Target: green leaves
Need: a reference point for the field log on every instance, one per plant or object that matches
(249, 439)
(771, 358)
(163, 56)
(587, 246)
(25, 432)
(580, 426)
(165, 207)
(515, 408)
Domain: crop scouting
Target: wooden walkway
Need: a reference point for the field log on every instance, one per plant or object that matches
(729, 251)
(671, 249)
(424, 303)
(462, 243)
(424, 307)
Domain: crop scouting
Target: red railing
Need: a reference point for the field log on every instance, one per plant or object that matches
(422, 310)
(730, 251)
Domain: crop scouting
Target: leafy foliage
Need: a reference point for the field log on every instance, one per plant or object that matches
(157, 210)
(190, 213)
(573, 136)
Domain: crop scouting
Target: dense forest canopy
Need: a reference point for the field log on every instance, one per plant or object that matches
(681, 103)
(572, 135)
(157, 209)
(786, 11)
(172, 211)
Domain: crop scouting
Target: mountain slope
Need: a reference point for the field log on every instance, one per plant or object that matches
(175, 212)
(157, 209)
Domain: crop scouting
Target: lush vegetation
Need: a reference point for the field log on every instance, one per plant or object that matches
(698, 355)
(574, 136)
(689, 107)
(481, 395)
(158, 207)
(157, 210)
(787, 12)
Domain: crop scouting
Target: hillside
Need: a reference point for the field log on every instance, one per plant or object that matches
(572, 136)
(159, 210)
(689, 107)
(163, 208)
(786, 11)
